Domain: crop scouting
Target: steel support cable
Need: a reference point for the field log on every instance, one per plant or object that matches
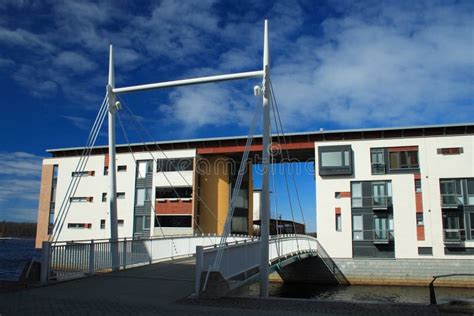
(135, 160)
(237, 186)
(166, 157)
(166, 177)
(138, 124)
(287, 152)
(275, 202)
(243, 164)
(79, 167)
(272, 105)
(272, 94)
(75, 186)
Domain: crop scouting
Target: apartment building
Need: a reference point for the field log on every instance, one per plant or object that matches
(381, 193)
(397, 197)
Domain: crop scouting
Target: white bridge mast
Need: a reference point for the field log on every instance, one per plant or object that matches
(265, 198)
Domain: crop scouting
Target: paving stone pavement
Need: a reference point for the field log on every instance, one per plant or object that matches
(163, 289)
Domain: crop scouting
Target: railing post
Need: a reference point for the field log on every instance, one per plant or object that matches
(199, 265)
(124, 254)
(91, 257)
(45, 253)
(432, 292)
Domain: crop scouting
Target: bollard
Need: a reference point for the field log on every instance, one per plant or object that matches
(432, 292)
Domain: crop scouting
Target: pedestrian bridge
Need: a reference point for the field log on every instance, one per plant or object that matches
(219, 266)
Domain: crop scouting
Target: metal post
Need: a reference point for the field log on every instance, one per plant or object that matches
(265, 197)
(199, 265)
(91, 257)
(124, 253)
(112, 166)
(45, 252)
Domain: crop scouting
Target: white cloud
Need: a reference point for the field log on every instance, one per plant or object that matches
(74, 61)
(20, 164)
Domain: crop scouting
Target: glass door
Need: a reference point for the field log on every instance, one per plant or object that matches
(379, 194)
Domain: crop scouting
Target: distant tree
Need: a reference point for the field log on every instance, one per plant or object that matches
(12, 229)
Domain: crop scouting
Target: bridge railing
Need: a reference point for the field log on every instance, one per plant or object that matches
(74, 259)
(243, 257)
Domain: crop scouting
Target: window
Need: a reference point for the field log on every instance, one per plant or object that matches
(377, 160)
(177, 164)
(453, 224)
(356, 194)
(470, 191)
(104, 197)
(338, 222)
(403, 160)
(335, 160)
(418, 186)
(242, 199)
(79, 225)
(144, 167)
(450, 151)
(357, 228)
(173, 193)
(380, 196)
(121, 195)
(122, 168)
(140, 200)
(106, 170)
(337, 195)
(451, 192)
(142, 223)
(381, 228)
(120, 223)
(173, 221)
(419, 219)
(239, 225)
(81, 199)
(471, 222)
(52, 204)
(82, 173)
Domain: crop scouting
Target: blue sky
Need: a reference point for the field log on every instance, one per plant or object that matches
(335, 65)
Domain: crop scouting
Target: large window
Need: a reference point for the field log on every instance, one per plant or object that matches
(335, 160)
(143, 194)
(383, 227)
(377, 158)
(178, 164)
(453, 227)
(470, 191)
(451, 192)
(356, 194)
(173, 221)
(357, 227)
(143, 168)
(142, 223)
(404, 160)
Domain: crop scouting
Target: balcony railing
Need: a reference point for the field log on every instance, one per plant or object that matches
(451, 200)
(454, 235)
(376, 202)
(383, 236)
(379, 236)
(378, 168)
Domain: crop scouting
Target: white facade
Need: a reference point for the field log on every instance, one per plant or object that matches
(95, 185)
(433, 166)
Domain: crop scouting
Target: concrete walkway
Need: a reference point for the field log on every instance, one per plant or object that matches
(161, 289)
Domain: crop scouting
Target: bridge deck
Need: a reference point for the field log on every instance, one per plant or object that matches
(155, 290)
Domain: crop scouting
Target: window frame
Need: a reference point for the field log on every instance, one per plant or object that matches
(346, 156)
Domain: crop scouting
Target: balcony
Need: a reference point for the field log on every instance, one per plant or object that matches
(174, 206)
(378, 202)
(454, 236)
(383, 236)
(451, 200)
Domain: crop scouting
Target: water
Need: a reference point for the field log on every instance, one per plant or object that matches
(367, 293)
(14, 255)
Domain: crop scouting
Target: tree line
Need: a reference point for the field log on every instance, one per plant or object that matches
(13, 229)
